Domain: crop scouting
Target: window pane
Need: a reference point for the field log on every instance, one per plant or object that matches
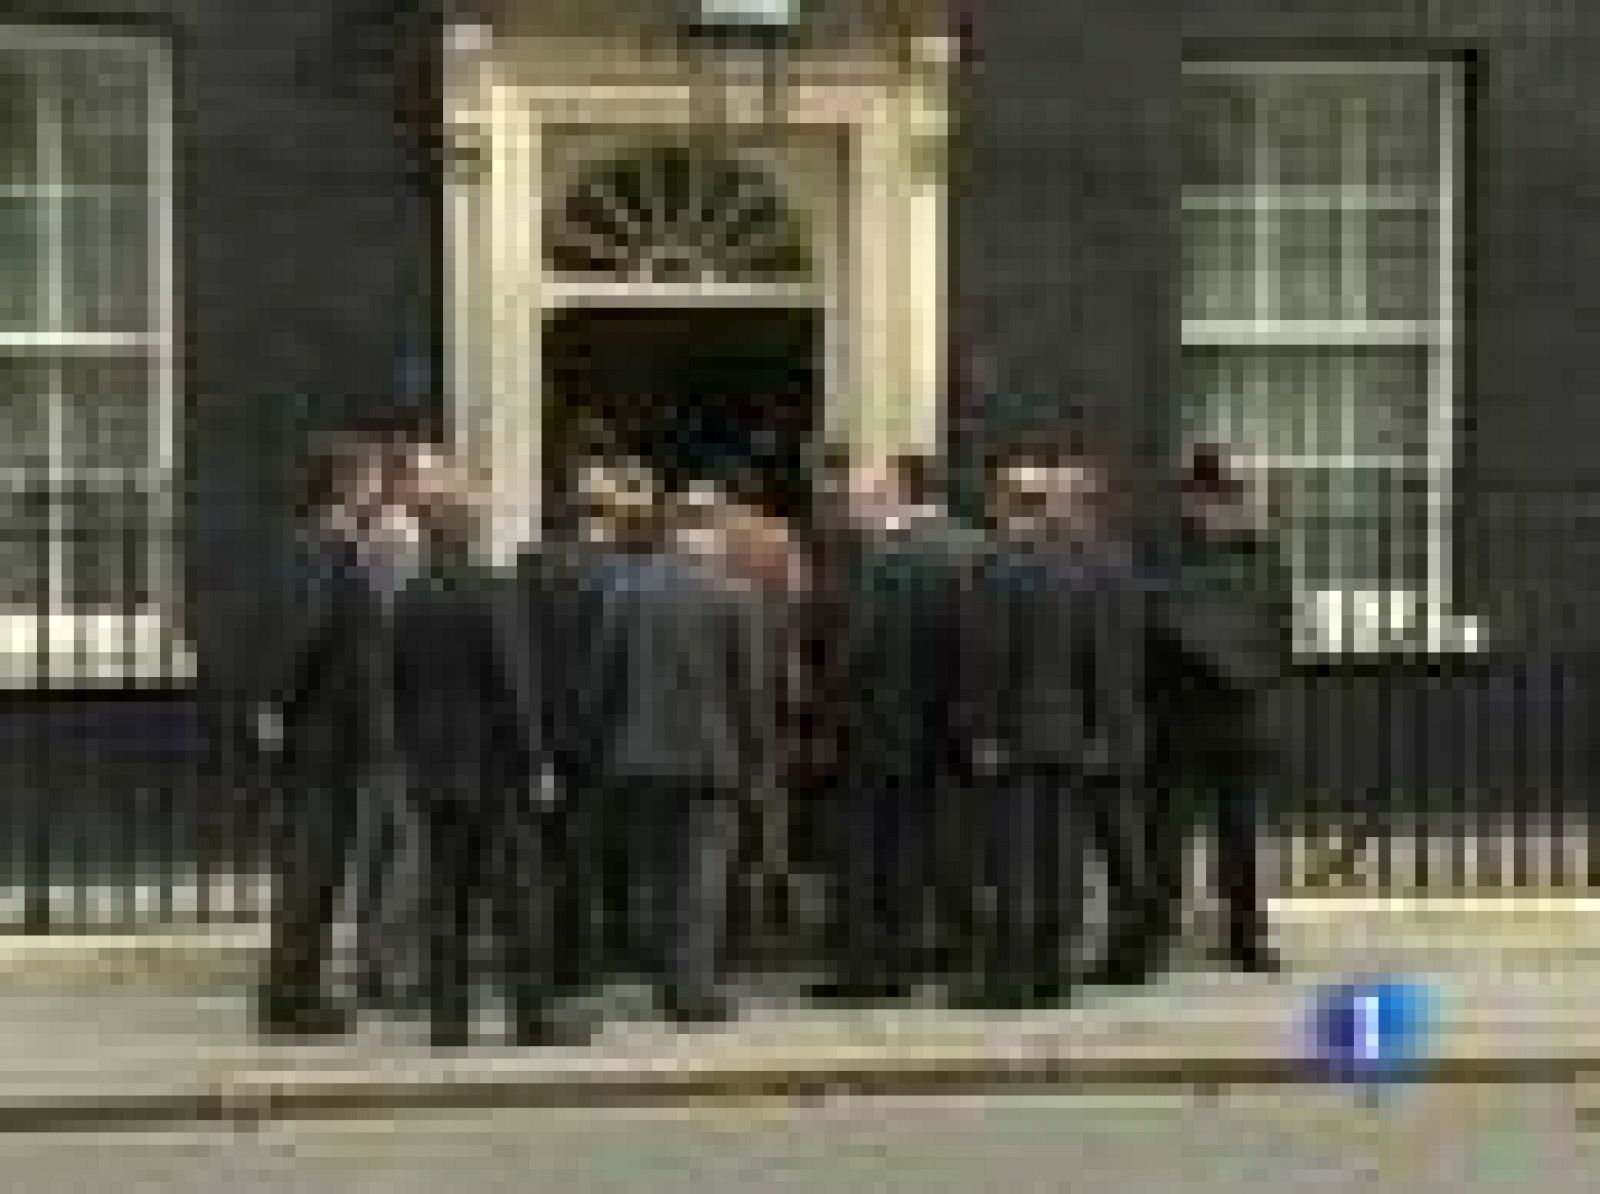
(1214, 385)
(1219, 270)
(24, 415)
(19, 134)
(1399, 124)
(1305, 130)
(1352, 528)
(24, 550)
(21, 242)
(1277, 402)
(1308, 265)
(107, 549)
(108, 413)
(1219, 133)
(105, 111)
(1401, 274)
(107, 275)
(1326, 401)
(1389, 393)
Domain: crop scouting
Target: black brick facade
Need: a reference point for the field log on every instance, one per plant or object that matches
(301, 232)
(1069, 266)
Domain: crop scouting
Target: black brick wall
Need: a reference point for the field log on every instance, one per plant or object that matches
(299, 234)
(1068, 263)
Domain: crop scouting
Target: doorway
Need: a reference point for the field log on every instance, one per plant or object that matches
(697, 393)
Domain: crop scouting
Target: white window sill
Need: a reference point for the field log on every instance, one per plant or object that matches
(64, 650)
(1351, 623)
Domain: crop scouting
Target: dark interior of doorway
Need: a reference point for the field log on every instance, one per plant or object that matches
(717, 392)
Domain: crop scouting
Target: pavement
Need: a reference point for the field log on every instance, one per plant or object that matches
(1460, 1139)
(129, 1057)
(137, 1030)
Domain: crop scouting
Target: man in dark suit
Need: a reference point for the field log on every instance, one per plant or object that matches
(887, 678)
(667, 727)
(613, 510)
(423, 673)
(1052, 710)
(311, 713)
(470, 723)
(1215, 658)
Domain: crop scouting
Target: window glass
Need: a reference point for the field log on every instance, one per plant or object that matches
(19, 134)
(1219, 264)
(21, 221)
(105, 119)
(107, 252)
(107, 408)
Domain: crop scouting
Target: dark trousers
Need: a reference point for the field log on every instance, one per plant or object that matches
(887, 867)
(674, 843)
(1117, 821)
(1229, 801)
(591, 895)
(312, 843)
(384, 890)
(492, 848)
(1035, 829)
(1029, 865)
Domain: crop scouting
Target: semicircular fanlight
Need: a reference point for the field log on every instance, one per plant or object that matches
(675, 213)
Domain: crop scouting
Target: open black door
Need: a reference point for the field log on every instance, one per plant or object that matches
(702, 392)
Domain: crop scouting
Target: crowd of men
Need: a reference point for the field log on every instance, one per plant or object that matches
(946, 719)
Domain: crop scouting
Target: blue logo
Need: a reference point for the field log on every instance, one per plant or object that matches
(1372, 1031)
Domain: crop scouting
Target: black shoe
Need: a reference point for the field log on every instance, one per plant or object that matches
(1054, 992)
(542, 1032)
(859, 993)
(450, 1033)
(386, 995)
(999, 997)
(696, 1009)
(302, 1019)
(1253, 957)
(1120, 972)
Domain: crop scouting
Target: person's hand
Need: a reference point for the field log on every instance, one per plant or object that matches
(546, 789)
(266, 729)
(988, 758)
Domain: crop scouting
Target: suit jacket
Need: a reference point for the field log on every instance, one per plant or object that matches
(438, 684)
(317, 672)
(1220, 648)
(1051, 661)
(559, 589)
(888, 670)
(468, 710)
(680, 665)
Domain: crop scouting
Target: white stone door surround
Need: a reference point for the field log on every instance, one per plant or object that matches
(840, 152)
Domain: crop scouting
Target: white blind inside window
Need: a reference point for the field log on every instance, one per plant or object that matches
(1318, 323)
(86, 336)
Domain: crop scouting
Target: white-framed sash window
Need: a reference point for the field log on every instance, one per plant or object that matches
(1320, 240)
(88, 354)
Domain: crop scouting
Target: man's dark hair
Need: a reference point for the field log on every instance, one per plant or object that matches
(335, 457)
(1050, 448)
(330, 466)
(917, 475)
(1209, 475)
